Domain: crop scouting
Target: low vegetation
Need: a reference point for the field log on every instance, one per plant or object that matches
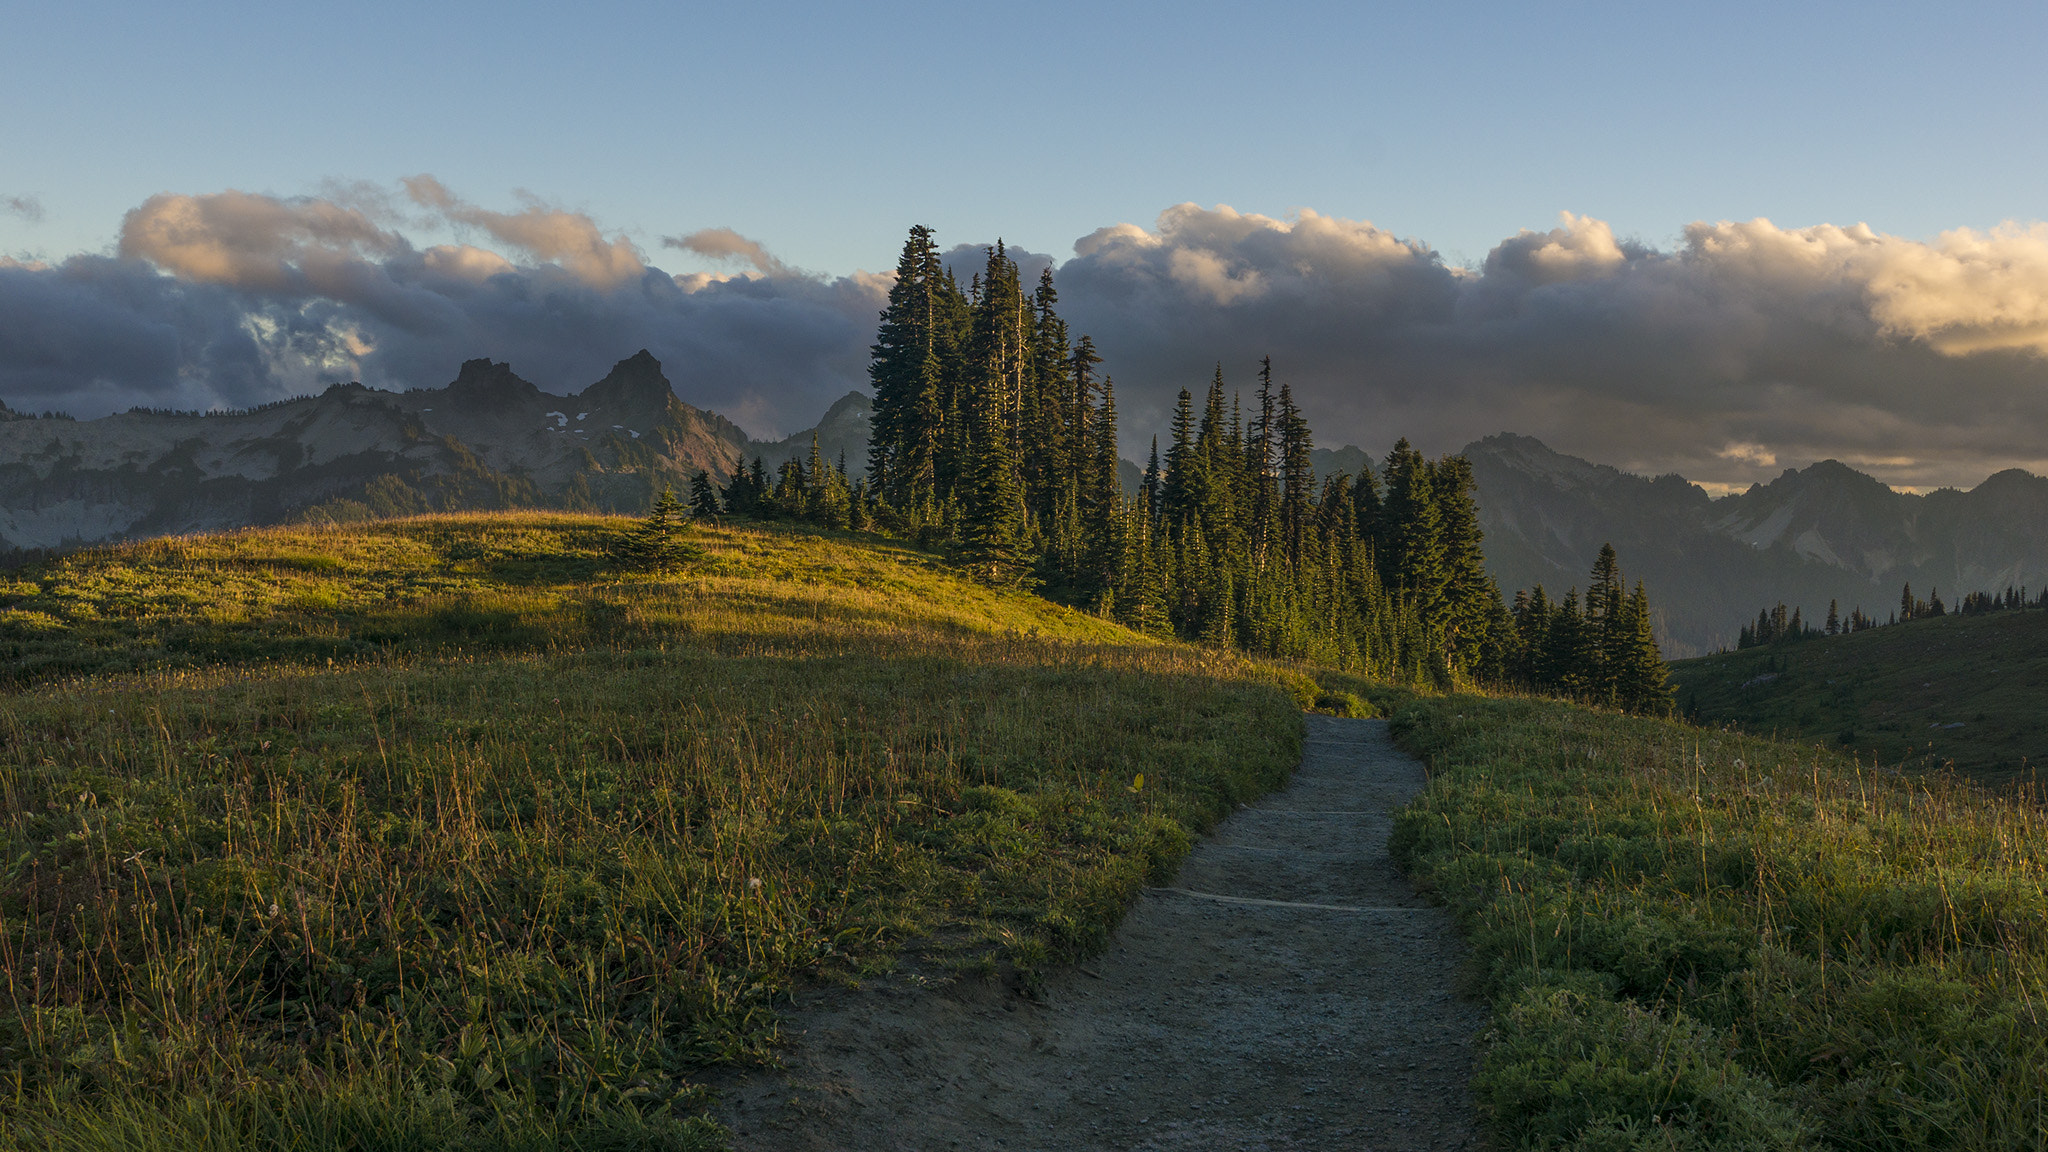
(455, 832)
(1955, 689)
(1699, 939)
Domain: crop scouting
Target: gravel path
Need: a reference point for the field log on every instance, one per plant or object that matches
(1289, 991)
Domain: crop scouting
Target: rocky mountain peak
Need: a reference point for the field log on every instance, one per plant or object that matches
(634, 386)
(1532, 457)
(482, 381)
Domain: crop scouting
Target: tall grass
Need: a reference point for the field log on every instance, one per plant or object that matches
(442, 825)
(1698, 939)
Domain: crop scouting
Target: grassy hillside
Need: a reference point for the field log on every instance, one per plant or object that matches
(1972, 690)
(444, 833)
(1702, 940)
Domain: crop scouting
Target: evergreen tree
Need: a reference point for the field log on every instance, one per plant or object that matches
(1568, 651)
(652, 544)
(1176, 503)
(906, 371)
(1532, 638)
(1411, 539)
(1102, 508)
(1141, 590)
(1297, 474)
(1470, 602)
(1604, 598)
(1261, 458)
(704, 496)
(1148, 489)
(1641, 682)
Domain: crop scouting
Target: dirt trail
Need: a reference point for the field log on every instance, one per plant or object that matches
(1289, 991)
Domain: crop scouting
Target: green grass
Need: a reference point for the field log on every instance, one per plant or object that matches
(1698, 939)
(1966, 690)
(442, 833)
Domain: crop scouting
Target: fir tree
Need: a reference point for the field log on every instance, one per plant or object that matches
(1568, 651)
(704, 496)
(1411, 540)
(1176, 505)
(1605, 595)
(1641, 681)
(1297, 474)
(1470, 601)
(1102, 507)
(1261, 450)
(905, 371)
(993, 525)
(1148, 489)
(652, 544)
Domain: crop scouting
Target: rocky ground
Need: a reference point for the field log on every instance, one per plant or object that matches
(1289, 991)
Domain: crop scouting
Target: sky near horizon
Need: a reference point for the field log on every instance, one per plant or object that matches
(818, 133)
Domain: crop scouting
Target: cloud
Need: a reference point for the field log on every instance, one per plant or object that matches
(232, 299)
(724, 244)
(1744, 348)
(1763, 457)
(251, 241)
(27, 207)
(1926, 359)
(568, 239)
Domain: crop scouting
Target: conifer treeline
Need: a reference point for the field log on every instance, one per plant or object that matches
(1774, 626)
(994, 437)
(1603, 651)
(994, 433)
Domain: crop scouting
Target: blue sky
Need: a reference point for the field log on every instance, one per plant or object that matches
(824, 130)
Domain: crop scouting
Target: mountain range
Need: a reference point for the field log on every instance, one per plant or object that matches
(487, 440)
(1813, 535)
(492, 440)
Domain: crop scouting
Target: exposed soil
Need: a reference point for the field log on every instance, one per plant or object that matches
(1290, 991)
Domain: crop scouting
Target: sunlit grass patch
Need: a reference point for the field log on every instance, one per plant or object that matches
(471, 820)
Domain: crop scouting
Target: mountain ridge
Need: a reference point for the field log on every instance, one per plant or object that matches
(1822, 533)
(488, 439)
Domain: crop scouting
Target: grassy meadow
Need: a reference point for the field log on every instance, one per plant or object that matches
(1696, 939)
(1963, 690)
(445, 833)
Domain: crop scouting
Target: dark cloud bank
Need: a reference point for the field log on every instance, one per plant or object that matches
(1747, 349)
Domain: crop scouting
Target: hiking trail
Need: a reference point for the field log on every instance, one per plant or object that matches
(1288, 991)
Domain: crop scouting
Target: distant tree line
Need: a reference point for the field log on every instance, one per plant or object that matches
(994, 439)
(1775, 626)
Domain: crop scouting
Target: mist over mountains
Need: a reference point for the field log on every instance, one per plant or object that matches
(491, 439)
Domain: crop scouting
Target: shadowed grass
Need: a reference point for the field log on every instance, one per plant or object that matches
(542, 839)
(1703, 940)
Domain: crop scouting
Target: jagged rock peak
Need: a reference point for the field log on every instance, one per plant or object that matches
(635, 382)
(483, 378)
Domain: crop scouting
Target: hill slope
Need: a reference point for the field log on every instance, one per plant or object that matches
(1961, 689)
(445, 831)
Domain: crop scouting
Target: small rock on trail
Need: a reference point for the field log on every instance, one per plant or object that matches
(1288, 991)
